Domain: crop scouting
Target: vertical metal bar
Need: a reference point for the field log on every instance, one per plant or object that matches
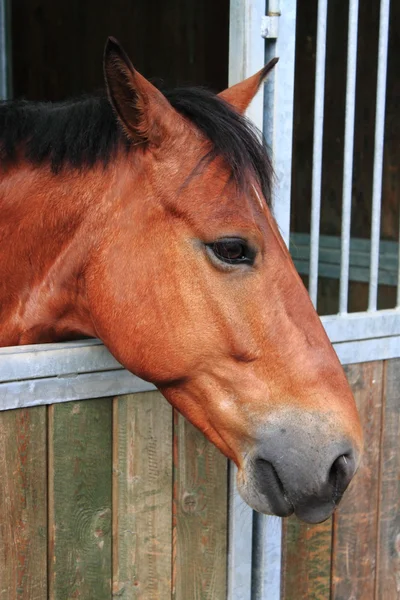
(378, 152)
(5, 50)
(278, 108)
(246, 57)
(348, 154)
(239, 543)
(317, 148)
(278, 130)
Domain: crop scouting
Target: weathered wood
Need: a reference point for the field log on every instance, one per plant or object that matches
(355, 522)
(388, 568)
(306, 560)
(23, 506)
(200, 516)
(142, 497)
(80, 467)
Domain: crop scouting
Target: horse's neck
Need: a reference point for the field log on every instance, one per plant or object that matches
(42, 253)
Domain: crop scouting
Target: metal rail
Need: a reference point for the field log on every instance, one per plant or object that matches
(317, 148)
(348, 154)
(378, 152)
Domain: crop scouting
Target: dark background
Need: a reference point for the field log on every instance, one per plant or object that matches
(57, 52)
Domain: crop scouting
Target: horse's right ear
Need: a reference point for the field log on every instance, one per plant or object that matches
(144, 113)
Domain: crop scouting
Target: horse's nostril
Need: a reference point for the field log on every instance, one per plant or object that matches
(269, 484)
(341, 472)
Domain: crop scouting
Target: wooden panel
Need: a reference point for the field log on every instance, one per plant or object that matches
(80, 500)
(306, 560)
(355, 522)
(200, 516)
(388, 569)
(23, 506)
(142, 497)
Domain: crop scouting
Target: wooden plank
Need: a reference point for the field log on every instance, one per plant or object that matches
(355, 522)
(388, 568)
(23, 506)
(80, 467)
(142, 497)
(200, 518)
(306, 571)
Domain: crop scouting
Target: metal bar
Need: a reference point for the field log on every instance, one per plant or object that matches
(50, 390)
(378, 151)
(317, 148)
(240, 543)
(362, 326)
(361, 351)
(278, 109)
(5, 50)
(348, 154)
(246, 57)
(278, 131)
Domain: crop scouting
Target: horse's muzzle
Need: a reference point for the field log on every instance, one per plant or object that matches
(298, 470)
(311, 503)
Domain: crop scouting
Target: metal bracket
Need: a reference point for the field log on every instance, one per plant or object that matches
(270, 26)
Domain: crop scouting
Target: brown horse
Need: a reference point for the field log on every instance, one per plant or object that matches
(144, 219)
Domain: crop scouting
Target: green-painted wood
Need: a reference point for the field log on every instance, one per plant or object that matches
(306, 560)
(200, 516)
(388, 569)
(23, 506)
(142, 497)
(80, 466)
(356, 520)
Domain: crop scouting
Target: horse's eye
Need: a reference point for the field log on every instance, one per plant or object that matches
(233, 251)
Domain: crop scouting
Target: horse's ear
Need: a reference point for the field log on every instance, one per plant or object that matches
(143, 111)
(241, 94)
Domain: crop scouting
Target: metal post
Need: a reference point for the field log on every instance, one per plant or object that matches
(278, 130)
(348, 154)
(378, 152)
(317, 148)
(246, 57)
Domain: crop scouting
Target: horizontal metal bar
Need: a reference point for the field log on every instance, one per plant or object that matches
(362, 326)
(361, 351)
(54, 360)
(52, 390)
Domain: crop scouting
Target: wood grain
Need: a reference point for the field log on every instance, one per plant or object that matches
(80, 500)
(200, 516)
(23, 507)
(142, 497)
(306, 560)
(355, 522)
(388, 569)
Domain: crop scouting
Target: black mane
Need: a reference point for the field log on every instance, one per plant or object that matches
(80, 133)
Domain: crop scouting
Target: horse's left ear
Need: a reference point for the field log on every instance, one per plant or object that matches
(143, 111)
(241, 94)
